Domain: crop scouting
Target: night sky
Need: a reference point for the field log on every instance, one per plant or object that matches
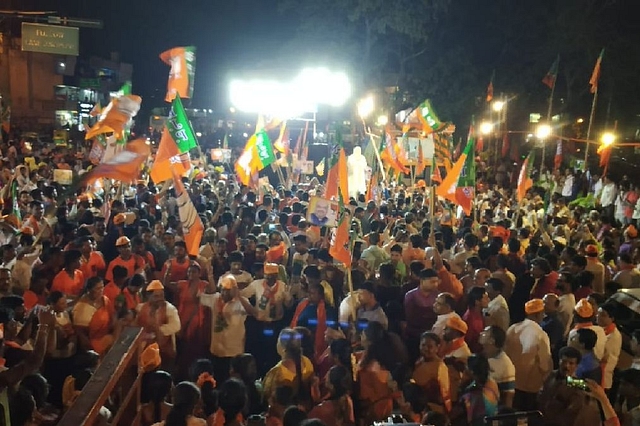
(511, 38)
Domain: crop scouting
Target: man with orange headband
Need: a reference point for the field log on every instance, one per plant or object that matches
(527, 345)
(228, 313)
(271, 297)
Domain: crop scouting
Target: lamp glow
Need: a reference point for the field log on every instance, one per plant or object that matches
(497, 106)
(312, 87)
(543, 131)
(608, 139)
(383, 120)
(366, 107)
(486, 127)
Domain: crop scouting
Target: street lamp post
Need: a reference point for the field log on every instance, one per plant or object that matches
(543, 132)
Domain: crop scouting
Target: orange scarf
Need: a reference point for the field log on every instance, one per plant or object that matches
(270, 292)
(609, 329)
(321, 312)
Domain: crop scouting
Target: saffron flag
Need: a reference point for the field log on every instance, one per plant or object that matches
(115, 117)
(552, 75)
(421, 163)
(442, 151)
(524, 179)
(125, 166)
(337, 184)
(192, 228)
(257, 155)
(557, 160)
(605, 155)
(340, 244)
(490, 90)
(595, 76)
(465, 190)
(183, 68)
(282, 143)
(372, 187)
(96, 110)
(177, 139)
(436, 177)
(389, 155)
(449, 184)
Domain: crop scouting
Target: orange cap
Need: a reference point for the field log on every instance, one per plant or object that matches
(456, 323)
(534, 306)
(150, 358)
(228, 282)
(584, 309)
(155, 285)
(122, 241)
(271, 268)
(119, 218)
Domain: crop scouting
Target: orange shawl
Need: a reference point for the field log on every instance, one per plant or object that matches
(321, 312)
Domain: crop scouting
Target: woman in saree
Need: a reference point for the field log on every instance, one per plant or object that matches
(337, 408)
(193, 337)
(294, 370)
(376, 389)
(431, 374)
(94, 318)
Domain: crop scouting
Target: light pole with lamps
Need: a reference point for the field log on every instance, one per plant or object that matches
(543, 131)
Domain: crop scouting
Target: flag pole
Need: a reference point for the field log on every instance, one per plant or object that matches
(549, 112)
(590, 126)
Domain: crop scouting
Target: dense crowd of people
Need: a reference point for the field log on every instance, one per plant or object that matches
(442, 318)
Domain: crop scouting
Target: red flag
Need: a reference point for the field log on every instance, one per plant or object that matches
(557, 160)
(595, 76)
(480, 144)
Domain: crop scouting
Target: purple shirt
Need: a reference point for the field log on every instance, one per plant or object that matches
(418, 311)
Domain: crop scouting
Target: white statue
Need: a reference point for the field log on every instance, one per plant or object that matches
(356, 173)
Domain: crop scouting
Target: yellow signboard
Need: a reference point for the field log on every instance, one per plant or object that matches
(54, 39)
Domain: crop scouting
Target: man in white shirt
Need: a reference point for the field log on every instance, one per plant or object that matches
(607, 197)
(567, 301)
(228, 314)
(528, 347)
(443, 306)
(583, 318)
(613, 345)
(497, 312)
(502, 371)
(567, 187)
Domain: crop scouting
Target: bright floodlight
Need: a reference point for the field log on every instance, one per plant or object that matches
(366, 107)
(608, 139)
(543, 131)
(498, 105)
(486, 127)
(383, 120)
(312, 87)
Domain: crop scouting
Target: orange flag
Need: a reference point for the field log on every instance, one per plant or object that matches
(337, 182)
(183, 68)
(340, 240)
(372, 187)
(449, 185)
(125, 166)
(115, 116)
(192, 228)
(524, 179)
(169, 158)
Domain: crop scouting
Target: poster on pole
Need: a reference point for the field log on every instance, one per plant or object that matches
(221, 155)
(306, 167)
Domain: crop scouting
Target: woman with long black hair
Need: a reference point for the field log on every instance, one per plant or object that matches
(185, 399)
(294, 370)
(156, 387)
(337, 409)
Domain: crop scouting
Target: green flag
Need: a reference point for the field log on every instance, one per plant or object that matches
(125, 89)
(180, 128)
(264, 148)
(429, 118)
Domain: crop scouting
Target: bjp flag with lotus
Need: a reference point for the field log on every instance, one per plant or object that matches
(183, 69)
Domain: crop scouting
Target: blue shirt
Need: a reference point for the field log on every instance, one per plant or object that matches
(589, 368)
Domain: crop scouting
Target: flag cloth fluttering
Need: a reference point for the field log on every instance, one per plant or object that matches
(490, 88)
(423, 118)
(465, 190)
(115, 117)
(557, 160)
(605, 155)
(192, 228)
(282, 143)
(340, 244)
(389, 155)
(595, 76)
(125, 166)
(436, 177)
(524, 179)
(442, 152)
(183, 69)
(337, 184)
(320, 167)
(552, 75)
(449, 186)
(177, 139)
(258, 154)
